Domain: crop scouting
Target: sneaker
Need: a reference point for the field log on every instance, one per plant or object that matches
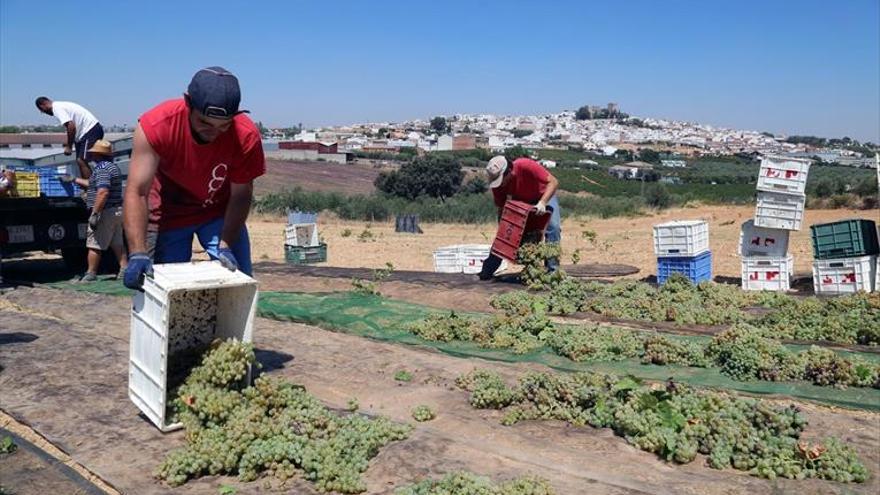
(75, 279)
(120, 275)
(88, 277)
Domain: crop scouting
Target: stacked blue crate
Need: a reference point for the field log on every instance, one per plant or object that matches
(696, 268)
(683, 247)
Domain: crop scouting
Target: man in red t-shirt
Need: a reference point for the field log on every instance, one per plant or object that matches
(192, 170)
(524, 180)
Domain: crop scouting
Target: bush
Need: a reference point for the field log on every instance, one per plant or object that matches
(437, 176)
(657, 196)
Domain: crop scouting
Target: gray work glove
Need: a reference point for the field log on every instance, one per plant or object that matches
(94, 218)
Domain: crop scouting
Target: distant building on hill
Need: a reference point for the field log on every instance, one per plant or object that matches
(674, 163)
(456, 143)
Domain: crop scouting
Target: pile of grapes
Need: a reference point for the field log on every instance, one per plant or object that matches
(463, 483)
(850, 319)
(273, 427)
(673, 421)
(533, 257)
(742, 352)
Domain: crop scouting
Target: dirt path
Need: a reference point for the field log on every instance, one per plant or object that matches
(66, 372)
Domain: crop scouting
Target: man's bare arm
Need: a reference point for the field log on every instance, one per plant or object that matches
(240, 198)
(142, 170)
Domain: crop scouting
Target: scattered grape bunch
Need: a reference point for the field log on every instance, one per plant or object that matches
(674, 421)
(464, 483)
(273, 427)
(423, 413)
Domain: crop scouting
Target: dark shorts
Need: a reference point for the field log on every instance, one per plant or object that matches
(83, 145)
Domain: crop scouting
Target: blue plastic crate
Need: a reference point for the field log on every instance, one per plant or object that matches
(697, 268)
(50, 180)
(51, 185)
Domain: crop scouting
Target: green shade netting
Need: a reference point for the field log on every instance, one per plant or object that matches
(387, 319)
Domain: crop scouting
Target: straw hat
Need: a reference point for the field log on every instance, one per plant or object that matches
(101, 147)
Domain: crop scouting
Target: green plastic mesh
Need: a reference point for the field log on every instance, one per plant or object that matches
(386, 320)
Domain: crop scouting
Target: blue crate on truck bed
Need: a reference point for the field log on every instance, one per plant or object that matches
(697, 268)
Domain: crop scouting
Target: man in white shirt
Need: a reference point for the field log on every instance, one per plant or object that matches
(83, 129)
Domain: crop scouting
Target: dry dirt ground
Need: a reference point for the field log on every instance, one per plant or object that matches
(65, 375)
(352, 178)
(618, 240)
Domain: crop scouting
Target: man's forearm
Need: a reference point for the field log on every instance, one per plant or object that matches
(549, 192)
(83, 183)
(71, 134)
(100, 200)
(236, 214)
(135, 221)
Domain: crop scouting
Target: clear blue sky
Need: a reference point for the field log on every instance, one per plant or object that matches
(803, 67)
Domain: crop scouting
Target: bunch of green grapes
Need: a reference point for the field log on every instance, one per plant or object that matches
(661, 350)
(595, 342)
(533, 257)
(272, 428)
(423, 413)
(464, 483)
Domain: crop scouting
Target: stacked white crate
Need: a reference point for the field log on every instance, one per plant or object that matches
(766, 264)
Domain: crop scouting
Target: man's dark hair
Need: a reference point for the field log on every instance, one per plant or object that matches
(41, 100)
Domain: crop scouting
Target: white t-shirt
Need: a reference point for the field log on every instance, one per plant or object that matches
(67, 111)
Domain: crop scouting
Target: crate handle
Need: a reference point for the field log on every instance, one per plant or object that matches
(836, 265)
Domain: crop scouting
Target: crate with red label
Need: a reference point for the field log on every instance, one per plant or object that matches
(767, 273)
(783, 174)
(844, 275)
(762, 241)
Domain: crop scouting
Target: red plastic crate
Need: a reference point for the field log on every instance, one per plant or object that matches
(517, 220)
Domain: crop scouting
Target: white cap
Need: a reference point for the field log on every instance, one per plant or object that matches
(495, 170)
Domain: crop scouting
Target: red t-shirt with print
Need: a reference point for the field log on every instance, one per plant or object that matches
(528, 184)
(192, 182)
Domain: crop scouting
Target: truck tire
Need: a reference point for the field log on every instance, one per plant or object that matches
(76, 259)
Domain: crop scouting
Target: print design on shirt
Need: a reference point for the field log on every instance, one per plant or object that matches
(218, 177)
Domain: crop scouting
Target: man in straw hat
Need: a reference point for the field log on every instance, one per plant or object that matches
(523, 179)
(104, 201)
(192, 169)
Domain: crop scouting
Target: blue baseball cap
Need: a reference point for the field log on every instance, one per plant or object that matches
(214, 91)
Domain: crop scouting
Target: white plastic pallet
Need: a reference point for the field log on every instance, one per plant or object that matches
(844, 275)
(767, 273)
(184, 307)
(301, 235)
(783, 174)
(681, 238)
(761, 241)
(780, 210)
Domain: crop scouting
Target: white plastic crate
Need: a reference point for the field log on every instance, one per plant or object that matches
(761, 241)
(844, 275)
(780, 210)
(463, 258)
(472, 256)
(783, 174)
(301, 235)
(767, 273)
(681, 238)
(446, 261)
(184, 307)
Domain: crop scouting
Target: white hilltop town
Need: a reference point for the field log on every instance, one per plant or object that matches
(600, 130)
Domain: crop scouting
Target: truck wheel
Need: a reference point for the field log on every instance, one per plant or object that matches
(76, 259)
